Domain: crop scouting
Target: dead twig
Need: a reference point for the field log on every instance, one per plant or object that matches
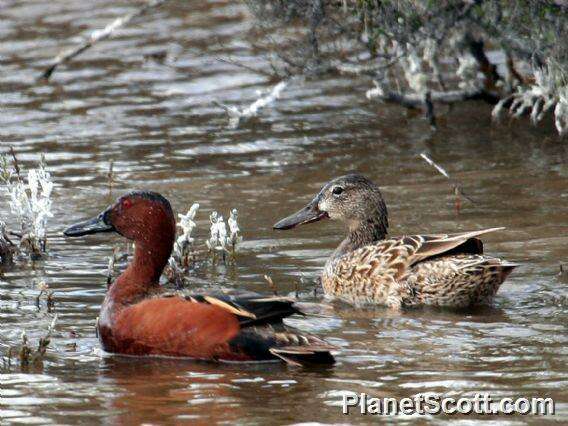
(7, 247)
(16, 165)
(456, 185)
(271, 285)
(110, 175)
(49, 299)
(238, 115)
(513, 73)
(97, 36)
(30, 357)
(371, 68)
(272, 75)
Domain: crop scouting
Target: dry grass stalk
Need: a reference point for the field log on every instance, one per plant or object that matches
(456, 185)
(44, 290)
(110, 175)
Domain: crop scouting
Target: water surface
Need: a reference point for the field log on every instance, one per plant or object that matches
(157, 122)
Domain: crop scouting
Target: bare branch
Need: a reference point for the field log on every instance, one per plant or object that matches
(489, 70)
(97, 36)
(439, 168)
(415, 100)
(234, 62)
(429, 109)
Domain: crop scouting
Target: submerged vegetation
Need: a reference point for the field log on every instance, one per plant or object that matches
(419, 53)
(26, 355)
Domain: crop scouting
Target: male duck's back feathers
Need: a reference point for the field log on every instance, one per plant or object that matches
(262, 329)
(250, 309)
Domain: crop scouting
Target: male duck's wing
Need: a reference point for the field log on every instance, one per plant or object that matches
(263, 333)
(250, 309)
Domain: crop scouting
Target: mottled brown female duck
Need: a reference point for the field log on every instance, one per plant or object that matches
(446, 270)
(139, 318)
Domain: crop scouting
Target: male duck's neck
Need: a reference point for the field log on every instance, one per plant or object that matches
(365, 233)
(142, 276)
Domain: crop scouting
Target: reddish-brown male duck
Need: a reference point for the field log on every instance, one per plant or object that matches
(138, 318)
(447, 270)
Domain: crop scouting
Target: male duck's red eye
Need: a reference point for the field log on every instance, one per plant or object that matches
(126, 204)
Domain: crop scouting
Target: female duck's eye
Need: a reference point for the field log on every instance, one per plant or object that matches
(337, 190)
(126, 204)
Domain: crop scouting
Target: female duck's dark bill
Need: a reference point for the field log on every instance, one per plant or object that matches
(310, 213)
(92, 226)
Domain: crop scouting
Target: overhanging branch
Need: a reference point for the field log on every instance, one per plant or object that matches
(416, 100)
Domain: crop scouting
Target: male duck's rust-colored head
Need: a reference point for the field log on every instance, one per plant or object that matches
(141, 216)
(352, 199)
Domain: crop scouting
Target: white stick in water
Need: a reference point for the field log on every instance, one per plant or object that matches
(433, 164)
(236, 115)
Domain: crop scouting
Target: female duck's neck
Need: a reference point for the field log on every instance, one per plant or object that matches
(142, 275)
(362, 234)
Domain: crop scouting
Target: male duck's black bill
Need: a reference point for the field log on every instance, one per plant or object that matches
(310, 213)
(92, 226)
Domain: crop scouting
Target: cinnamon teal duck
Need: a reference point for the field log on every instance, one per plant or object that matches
(445, 270)
(139, 318)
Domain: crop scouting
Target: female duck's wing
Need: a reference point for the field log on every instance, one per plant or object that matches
(394, 256)
(424, 247)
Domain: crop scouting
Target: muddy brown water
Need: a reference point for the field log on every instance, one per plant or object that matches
(157, 122)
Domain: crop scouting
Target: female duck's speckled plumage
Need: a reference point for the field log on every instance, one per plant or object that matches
(447, 270)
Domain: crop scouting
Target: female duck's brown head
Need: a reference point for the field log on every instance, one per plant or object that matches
(352, 199)
(142, 216)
